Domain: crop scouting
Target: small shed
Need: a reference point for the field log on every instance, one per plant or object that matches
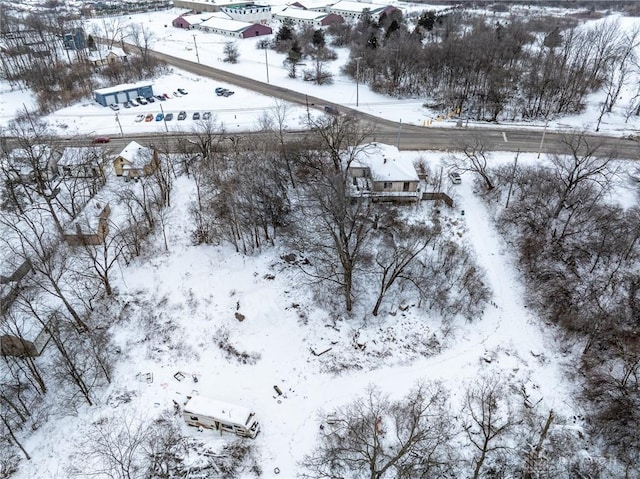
(123, 93)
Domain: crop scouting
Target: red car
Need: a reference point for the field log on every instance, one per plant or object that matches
(101, 139)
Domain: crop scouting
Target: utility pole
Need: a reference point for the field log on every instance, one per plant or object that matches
(163, 119)
(398, 140)
(196, 44)
(513, 175)
(119, 124)
(266, 62)
(542, 140)
(358, 81)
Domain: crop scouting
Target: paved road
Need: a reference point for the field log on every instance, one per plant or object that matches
(411, 137)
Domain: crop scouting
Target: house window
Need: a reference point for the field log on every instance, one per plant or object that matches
(405, 186)
(387, 185)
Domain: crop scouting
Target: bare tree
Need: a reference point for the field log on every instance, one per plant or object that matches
(397, 254)
(489, 419)
(375, 438)
(114, 448)
(475, 160)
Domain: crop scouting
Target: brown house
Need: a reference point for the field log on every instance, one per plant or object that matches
(91, 226)
(135, 161)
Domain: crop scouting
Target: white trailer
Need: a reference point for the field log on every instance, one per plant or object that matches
(200, 411)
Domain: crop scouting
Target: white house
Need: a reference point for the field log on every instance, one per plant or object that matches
(199, 411)
(379, 171)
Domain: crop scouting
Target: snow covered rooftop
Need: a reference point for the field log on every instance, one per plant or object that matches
(135, 154)
(298, 13)
(104, 53)
(226, 25)
(358, 7)
(78, 156)
(234, 414)
(385, 163)
(124, 86)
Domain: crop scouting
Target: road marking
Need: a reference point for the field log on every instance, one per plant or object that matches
(504, 135)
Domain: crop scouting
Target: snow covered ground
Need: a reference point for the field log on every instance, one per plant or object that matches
(182, 302)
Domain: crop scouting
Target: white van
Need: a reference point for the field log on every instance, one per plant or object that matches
(199, 411)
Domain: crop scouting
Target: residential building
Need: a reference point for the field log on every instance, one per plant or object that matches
(91, 226)
(379, 172)
(135, 161)
(107, 56)
(81, 162)
(248, 12)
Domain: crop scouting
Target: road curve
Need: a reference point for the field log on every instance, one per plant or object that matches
(412, 137)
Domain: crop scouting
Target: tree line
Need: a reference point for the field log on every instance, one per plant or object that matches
(578, 252)
(493, 68)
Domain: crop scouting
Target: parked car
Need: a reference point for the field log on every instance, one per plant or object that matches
(142, 101)
(139, 118)
(331, 110)
(177, 94)
(100, 139)
(168, 117)
(134, 103)
(196, 115)
(114, 107)
(228, 93)
(149, 117)
(159, 117)
(455, 177)
(182, 91)
(206, 115)
(182, 115)
(160, 97)
(150, 99)
(165, 96)
(126, 104)
(219, 91)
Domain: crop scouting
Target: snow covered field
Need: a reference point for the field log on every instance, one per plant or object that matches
(181, 303)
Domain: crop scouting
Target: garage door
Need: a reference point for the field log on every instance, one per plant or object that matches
(122, 97)
(111, 98)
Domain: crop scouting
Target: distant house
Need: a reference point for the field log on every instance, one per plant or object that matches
(91, 226)
(234, 28)
(379, 172)
(355, 10)
(81, 162)
(248, 12)
(23, 164)
(189, 22)
(107, 56)
(298, 16)
(135, 161)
